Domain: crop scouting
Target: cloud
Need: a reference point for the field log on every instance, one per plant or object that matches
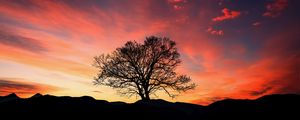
(260, 92)
(9, 38)
(215, 32)
(283, 53)
(23, 89)
(256, 24)
(177, 4)
(227, 14)
(275, 9)
(97, 91)
(274, 69)
(71, 38)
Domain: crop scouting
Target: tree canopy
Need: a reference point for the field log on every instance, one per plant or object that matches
(143, 69)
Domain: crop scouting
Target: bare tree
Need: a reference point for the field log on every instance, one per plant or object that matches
(143, 69)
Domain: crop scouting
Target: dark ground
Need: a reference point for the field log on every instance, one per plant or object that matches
(285, 106)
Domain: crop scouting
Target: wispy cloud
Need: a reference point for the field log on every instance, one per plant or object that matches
(97, 91)
(256, 24)
(25, 88)
(260, 92)
(275, 9)
(11, 39)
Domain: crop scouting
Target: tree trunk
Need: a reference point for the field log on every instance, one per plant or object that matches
(147, 98)
(142, 97)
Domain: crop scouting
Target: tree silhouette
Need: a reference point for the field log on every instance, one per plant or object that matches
(143, 69)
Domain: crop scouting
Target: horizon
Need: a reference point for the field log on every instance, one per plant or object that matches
(230, 49)
(151, 99)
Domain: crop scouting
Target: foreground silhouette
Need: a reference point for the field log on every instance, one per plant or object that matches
(271, 106)
(142, 69)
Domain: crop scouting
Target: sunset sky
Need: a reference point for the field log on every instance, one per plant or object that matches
(230, 48)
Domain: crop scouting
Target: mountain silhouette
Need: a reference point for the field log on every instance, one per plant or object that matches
(9, 98)
(36, 95)
(266, 107)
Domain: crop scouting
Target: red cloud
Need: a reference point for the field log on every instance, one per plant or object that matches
(275, 71)
(177, 1)
(228, 14)
(274, 9)
(215, 32)
(177, 4)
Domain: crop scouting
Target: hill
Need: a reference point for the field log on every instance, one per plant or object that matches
(267, 107)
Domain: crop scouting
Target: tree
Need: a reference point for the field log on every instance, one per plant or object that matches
(143, 69)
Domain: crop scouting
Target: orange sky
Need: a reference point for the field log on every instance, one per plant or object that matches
(236, 49)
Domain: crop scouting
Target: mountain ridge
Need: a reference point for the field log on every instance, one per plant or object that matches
(269, 106)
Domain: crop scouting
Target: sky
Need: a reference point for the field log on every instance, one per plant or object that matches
(239, 49)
